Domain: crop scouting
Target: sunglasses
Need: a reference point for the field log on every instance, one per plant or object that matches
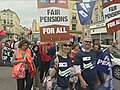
(69, 45)
(88, 41)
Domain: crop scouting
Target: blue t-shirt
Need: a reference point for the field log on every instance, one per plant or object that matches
(87, 61)
(52, 51)
(63, 72)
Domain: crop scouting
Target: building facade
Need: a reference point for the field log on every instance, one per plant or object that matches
(76, 28)
(97, 28)
(10, 22)
(35, 30)
(34, 25)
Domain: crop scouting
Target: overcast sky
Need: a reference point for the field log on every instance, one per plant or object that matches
(25, 9)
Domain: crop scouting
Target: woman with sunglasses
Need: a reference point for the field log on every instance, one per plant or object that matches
(61, 66)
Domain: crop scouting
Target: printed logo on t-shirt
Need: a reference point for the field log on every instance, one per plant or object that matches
(63, 64)
(65, 72)
(89, 65)
(86, 58)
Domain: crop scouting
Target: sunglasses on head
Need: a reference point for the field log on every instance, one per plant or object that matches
(69, 45)
(88, 41)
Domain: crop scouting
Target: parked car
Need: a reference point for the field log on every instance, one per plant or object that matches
(115, 57)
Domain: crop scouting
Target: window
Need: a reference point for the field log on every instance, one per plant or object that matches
(91, 21)
(11, 15)
(74, 7)
(86, 34)
(4, 21)
(4, 27)
(74, 27)
(7, 21)
(11, 22)
(101, 7)
(102, 16)
(4, 14)
(73, 15)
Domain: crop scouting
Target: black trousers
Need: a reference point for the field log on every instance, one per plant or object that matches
(101, 77)
(44, 69)
(25, 83)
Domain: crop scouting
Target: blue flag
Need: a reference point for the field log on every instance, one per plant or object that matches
(104, 65)
(85, 10)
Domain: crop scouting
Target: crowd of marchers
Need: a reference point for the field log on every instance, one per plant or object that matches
(62, 65)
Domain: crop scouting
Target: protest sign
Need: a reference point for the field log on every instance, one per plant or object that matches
(54, 20)
(111, 11)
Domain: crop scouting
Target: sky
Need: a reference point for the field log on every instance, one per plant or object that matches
(25, 9)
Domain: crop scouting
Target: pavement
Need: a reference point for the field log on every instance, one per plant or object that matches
(8, 83)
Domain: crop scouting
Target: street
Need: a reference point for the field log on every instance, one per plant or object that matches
(8, 83)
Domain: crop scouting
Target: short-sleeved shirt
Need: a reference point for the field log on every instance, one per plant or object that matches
(63, 72)
(87, 61)
(7, 54)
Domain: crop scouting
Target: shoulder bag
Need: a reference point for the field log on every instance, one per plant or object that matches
(18, 70)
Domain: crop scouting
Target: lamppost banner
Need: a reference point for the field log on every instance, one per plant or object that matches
(111, 11)
(54, 20)
(85, 10)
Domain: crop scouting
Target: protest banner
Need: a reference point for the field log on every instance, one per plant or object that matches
(54, 20)
(85, 10)
(111, 11)
(104, 65)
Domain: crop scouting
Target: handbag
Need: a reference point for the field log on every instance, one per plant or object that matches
(18, 71)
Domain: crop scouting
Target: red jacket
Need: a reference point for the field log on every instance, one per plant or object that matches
(43, 52)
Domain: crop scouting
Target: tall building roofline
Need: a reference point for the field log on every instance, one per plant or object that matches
(5, 10)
